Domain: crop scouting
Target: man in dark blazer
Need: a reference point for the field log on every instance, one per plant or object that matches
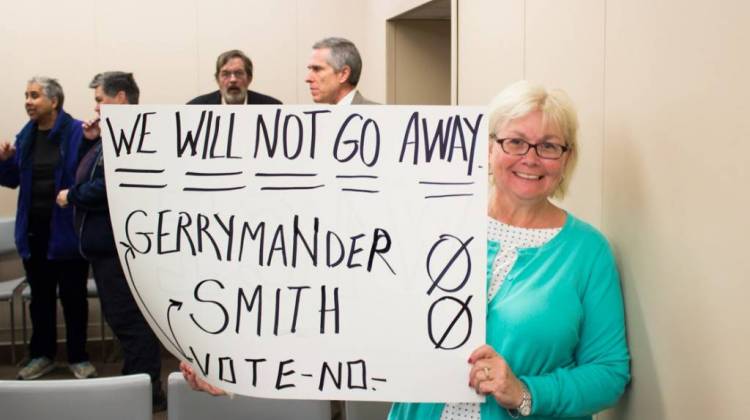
(333, 73)
(234, 72)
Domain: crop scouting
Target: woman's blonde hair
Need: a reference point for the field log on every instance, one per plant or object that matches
(522, 98)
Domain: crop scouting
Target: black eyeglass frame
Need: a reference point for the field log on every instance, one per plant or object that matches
(227, 74)
(529, 146)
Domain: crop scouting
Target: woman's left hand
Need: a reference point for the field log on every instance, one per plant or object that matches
(196, 383)
(491, 375)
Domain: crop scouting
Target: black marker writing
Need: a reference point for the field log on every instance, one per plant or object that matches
(462, 312)
(448, 137)
(358, 145)
(126, 141)
(190, 141)
(293, 134)
(306, 243)
(449, 337)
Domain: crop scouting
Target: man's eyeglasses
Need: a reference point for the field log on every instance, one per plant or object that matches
(238, 74)
(519, 147)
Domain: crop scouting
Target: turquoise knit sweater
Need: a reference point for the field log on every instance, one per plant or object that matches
(558, 321)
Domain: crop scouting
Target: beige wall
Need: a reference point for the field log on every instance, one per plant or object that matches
(376, 13)
(655, 82)
(419, 62)
(675, 201)
(559, 44)
(7, 203)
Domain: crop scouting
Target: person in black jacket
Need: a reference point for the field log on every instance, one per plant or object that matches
(234, 72)
(141, 349)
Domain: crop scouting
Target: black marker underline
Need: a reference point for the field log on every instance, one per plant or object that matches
(446, 183)
(142, 186)
(283, 174)
(448, 195)
(213, 173)
(357, 176)
(140, 171)
(213, 189)
(359, 190)
(292, 188)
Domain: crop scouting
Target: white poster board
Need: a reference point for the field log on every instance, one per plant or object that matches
(303, 251)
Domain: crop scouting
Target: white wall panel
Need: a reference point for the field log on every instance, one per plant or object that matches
(675, 200)
(264, 30)
(490, 48)
(565, 49)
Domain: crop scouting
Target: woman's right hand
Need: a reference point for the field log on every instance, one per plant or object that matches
(7, 150)
(197, 383)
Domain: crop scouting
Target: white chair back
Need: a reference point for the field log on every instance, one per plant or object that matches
(366, 410)
(186, 404)
(114, 398)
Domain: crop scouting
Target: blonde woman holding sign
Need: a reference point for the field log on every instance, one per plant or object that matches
(556, 345)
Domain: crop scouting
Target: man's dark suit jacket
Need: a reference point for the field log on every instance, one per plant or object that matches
(253, 98)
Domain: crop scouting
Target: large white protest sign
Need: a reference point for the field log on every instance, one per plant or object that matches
(306, 252)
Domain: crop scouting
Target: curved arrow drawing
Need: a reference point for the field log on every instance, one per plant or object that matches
(176, 304)
(131, 253)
